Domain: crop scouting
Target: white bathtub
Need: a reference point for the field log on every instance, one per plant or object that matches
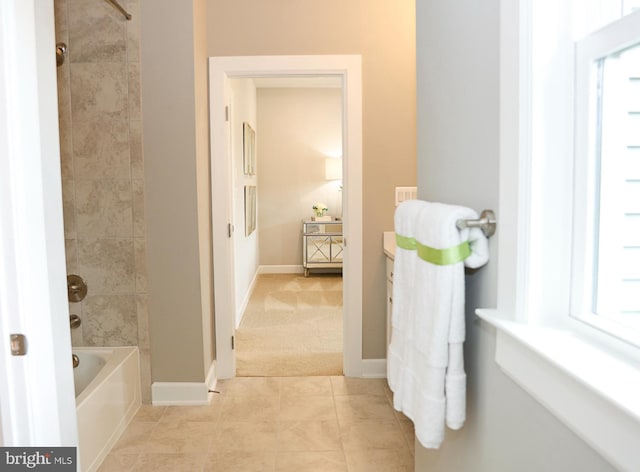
(107, 384)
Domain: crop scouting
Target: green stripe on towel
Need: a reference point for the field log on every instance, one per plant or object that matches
(448, 256)
(405, 243)
(451, 255)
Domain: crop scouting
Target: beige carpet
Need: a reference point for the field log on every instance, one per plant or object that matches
(292, 327)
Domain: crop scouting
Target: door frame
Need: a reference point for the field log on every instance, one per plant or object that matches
(37, 399)
(349, 68)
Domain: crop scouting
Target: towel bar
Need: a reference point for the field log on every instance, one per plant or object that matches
(487, 223)
(120, 8)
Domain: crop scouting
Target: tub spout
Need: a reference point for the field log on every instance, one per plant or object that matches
(76, 361)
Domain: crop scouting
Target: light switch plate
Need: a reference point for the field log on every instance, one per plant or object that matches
(406, 193)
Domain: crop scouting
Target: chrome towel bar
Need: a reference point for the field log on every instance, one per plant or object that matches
(487, 223)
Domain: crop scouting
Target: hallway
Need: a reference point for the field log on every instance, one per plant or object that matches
(295, 424)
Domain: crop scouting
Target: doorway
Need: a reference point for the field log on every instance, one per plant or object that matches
(348, 70)
(287, 324)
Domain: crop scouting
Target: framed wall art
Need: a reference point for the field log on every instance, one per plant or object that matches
(249, 149)
(249, 209)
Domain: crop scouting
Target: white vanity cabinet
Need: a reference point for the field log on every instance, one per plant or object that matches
(389, 298)
(389, 247)
(322, 245)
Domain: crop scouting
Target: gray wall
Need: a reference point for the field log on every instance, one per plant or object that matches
(176, 171)
(457, 72)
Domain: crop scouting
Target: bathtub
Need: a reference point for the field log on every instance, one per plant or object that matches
(107, 383)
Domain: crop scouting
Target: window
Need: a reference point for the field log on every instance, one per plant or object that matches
(554, 243)
(606, 257)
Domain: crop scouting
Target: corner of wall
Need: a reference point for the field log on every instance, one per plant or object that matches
(174, 143)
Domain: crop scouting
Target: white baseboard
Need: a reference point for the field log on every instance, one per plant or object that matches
(281, 269)
(247, 297)
(374, 368)
(211, 380)
(184, 393)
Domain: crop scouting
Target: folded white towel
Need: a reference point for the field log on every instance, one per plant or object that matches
(455, 388)
(479, 247)
(435, 361)
(405, 220)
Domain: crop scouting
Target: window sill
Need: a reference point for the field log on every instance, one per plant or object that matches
(595, 394)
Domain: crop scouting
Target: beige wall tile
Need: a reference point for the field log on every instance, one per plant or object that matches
(142, 305)
(133, 32)
(69, 208)
(110, 320)
(135, 149)
(134, 92)
(104, 209)
(107, 265)
(66, 147)
(139, 229)
(60, 8)
(64, 121)
(71, 255)
(98, 89)
(97, 32)
(101, 148)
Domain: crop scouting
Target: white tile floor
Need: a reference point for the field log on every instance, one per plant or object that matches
(272, 424)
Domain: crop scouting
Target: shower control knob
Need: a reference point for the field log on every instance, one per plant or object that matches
(76, 288)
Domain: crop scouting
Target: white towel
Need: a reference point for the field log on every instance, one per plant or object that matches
(434, 390)
(405, 220)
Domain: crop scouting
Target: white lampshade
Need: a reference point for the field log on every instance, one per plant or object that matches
(333, 168)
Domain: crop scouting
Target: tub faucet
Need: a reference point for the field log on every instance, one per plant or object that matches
(76, 360)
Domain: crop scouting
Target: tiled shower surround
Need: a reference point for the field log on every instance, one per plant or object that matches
(103, 174)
